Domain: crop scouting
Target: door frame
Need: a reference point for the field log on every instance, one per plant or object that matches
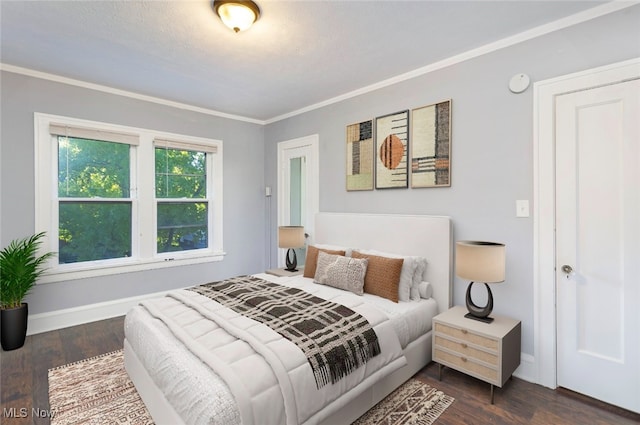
(544, 243)
(312, 174)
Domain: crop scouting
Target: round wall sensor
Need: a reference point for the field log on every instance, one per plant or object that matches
(519, 83)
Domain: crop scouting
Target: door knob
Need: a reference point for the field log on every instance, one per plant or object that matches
(567, 269)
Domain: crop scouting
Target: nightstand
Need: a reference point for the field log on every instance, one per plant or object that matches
(487, 351)
(283, 272)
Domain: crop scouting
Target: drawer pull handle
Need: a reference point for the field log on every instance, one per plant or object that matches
(464, 345)
(464, 359)
(464, 331)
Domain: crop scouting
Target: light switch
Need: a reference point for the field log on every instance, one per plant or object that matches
(522, 208)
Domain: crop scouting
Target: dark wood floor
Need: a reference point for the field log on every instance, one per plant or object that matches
(24, 385)
(24, 382)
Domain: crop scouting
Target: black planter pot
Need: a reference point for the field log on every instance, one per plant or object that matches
(13, 325)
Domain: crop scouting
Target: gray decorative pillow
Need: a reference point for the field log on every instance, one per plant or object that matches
(341, 272)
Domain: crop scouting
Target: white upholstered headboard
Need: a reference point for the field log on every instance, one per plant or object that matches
(423, 235)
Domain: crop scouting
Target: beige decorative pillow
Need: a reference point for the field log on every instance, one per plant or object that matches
(341, 272)
(312, 258)
(383, 275)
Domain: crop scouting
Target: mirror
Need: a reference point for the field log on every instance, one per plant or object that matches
(297, 199)
(298, 189)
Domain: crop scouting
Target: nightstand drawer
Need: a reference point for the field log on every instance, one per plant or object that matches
(467, 365)
(488, 351)
(465, 335)
(465, 350)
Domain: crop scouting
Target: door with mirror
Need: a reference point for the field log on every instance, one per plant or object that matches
(298, 189)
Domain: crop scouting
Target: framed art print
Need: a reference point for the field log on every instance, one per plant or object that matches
(431, 145)
(360, 156)
(392, 133)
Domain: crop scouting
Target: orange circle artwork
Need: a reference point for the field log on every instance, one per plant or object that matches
(391, 151)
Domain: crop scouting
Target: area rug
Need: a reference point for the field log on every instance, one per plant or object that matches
(99, 391)
(95, 391)
(413, 403)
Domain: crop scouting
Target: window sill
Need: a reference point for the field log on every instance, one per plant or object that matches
(53, 275)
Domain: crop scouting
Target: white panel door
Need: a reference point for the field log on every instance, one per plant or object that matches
(598, 243)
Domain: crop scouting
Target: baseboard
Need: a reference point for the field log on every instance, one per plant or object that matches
(527, 369)
(52, 320)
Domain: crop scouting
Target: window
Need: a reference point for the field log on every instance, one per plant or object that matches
(115, 199)
(182, 196)
(94, 203)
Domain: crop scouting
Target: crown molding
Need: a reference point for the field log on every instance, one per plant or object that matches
(125, 93)
(539, 31)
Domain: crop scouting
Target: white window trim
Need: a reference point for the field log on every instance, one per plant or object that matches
(144, 256)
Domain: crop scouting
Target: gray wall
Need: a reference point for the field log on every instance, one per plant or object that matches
(492, 163)
(492, 133)
(244, 235)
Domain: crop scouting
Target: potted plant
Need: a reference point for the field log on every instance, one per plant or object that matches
(20, 268)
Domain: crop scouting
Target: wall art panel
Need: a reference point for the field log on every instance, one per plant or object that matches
(392, 133)
(360, 156)
(431, 145)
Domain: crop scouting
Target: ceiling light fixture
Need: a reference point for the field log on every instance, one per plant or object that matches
(237, 15)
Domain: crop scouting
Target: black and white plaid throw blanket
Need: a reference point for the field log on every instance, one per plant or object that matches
(335, 339)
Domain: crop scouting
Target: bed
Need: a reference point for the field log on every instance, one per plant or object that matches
(178, 384)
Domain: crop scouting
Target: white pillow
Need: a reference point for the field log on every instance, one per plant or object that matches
(426, 291)
(419, 276)
(406, 274)
(341, 272)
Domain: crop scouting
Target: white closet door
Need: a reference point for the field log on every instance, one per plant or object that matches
(598, 242)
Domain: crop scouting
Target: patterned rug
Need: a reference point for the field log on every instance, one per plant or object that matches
(99, 391)
(413, 403)
(95, 391)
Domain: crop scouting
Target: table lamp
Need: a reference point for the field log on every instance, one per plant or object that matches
(291, 237)
(479, 261)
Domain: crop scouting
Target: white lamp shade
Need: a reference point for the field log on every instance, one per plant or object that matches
(479, 261)
(290, 236)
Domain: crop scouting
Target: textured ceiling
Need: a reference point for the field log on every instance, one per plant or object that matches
(298, 53)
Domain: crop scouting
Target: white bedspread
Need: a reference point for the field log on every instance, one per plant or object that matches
(409, 319)
(269, 377)
(196, 393)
